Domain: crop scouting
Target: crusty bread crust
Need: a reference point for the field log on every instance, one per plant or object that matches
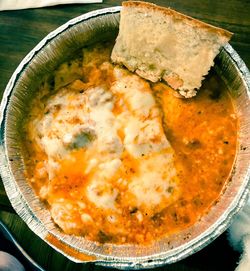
(178, 15)
(159, 43)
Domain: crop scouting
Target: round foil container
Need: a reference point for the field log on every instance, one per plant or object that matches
(102, 25)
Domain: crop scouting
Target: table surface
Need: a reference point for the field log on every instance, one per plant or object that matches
(21, 30)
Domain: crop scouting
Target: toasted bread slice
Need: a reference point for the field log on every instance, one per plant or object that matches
(159, 43)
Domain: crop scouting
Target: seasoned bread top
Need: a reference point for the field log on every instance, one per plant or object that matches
(159, 43)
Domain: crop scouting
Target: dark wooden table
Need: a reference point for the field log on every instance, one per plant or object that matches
(21, 30)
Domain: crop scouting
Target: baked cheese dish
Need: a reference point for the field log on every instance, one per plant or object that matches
(99, 156)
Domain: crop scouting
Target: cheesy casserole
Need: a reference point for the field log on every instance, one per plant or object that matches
(99, 157)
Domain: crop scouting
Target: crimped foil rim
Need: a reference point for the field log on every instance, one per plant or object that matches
(125, 262)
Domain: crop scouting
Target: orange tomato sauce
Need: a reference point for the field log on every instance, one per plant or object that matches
(203, 133)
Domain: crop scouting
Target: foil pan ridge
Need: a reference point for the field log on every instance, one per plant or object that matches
(30, 208)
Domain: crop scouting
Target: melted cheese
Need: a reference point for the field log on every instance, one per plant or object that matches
(100, 159)
(141, 118)
(102, 194)
(152, 186)
(105, 150)
(72, 113)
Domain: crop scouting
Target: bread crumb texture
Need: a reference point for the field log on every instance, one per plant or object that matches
(159, 43)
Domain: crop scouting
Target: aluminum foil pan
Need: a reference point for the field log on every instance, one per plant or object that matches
(96, 26)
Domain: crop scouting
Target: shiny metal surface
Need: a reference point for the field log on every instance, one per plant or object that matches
(8, 235)
(23, 85)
